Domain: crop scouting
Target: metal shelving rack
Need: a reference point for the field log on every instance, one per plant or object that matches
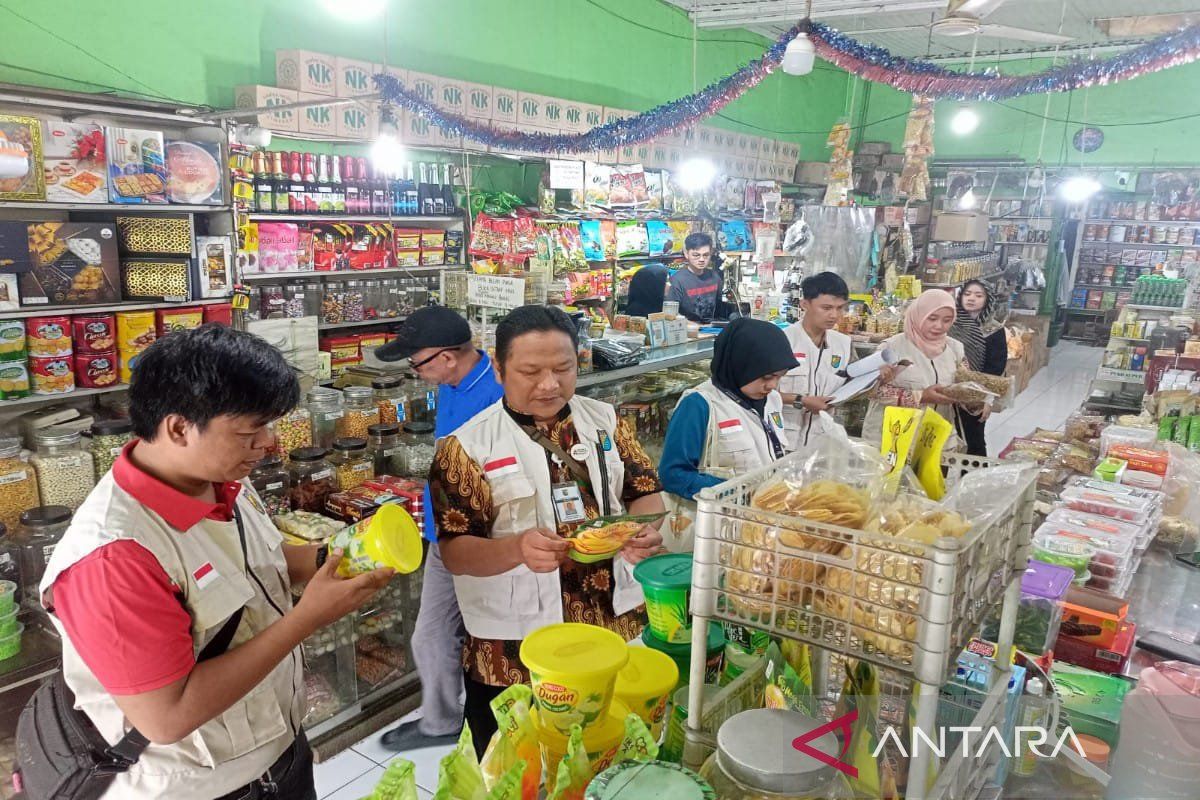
(957, 586)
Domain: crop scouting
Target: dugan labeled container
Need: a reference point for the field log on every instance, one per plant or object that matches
(574, 671)
(388, 538)
(645, 684)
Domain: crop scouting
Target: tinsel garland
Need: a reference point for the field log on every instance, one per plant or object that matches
(932, 80)
(864, 60)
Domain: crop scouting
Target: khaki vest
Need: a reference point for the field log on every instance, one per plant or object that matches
(741, 443)
(237, 747)
(515, 603)
(816, 375)
(924, 372)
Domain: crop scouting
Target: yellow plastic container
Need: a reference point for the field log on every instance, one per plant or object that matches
(388, 538)
(573, 669)
(601, 741)
(645, 684)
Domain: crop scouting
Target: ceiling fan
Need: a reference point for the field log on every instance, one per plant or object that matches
(965, 18)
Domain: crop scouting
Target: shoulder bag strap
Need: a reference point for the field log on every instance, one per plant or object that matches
(578, 470)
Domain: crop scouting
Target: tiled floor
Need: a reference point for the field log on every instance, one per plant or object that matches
(352, 774)
(1056, 391)
(1053, 393)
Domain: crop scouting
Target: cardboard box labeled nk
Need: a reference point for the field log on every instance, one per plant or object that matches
(354, 77)
(357, 120)
(306, 71)
(254, 96)
(479, 101)
(319, 120)
(960, 226)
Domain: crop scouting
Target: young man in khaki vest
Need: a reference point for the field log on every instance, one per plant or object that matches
(170, 545)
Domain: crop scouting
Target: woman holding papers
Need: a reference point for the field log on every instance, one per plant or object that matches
(986, 347)
(730, 424)
(823, 353)
(934, 357)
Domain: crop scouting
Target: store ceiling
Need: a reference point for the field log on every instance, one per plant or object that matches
(876, 21)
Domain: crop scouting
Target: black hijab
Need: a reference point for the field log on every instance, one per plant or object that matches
(968, 328)
(744, 352)
(646, 291)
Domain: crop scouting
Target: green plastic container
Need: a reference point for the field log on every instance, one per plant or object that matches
(682, 653)
(10, 645)
(8, 622)
(667, 583)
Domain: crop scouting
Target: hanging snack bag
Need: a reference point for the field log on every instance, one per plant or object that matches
(734, 234)
(658, 237)
(631, 239)
(574, 771)
(679, 233)
(515, 742)
(900, 426)
(593, 244)
(597, 181)
(459, 776)
(927, 453)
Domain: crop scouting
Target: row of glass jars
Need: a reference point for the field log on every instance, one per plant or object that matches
(61, 471)
(329, 414)
(25, 548)
(314, 473)
(339, 301)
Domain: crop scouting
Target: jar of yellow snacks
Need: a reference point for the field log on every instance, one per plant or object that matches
(18, 483)
(352, 464)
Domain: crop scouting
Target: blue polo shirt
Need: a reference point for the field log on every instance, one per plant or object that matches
(456, 405)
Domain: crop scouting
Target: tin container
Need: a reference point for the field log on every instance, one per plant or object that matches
(96, 370)
(136, 330)
(94, 334)
(51, 374)
(14, 380)
(48, 336)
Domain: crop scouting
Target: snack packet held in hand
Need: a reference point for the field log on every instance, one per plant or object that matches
(459, 776)
(927, 453)
(574, 771)
(515, 741)
(509, 786)
(399, 782)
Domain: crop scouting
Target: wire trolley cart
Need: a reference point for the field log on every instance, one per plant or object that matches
(904, 606)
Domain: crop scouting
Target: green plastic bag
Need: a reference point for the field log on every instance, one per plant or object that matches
(399, 782)
(459, 775)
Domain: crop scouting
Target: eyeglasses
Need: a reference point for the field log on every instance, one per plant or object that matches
(424, 361)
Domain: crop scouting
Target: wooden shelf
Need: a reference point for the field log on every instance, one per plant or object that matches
(337, 326)
(132, 208)
(38, 399)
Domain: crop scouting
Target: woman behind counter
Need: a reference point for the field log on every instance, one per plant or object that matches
(731, 423)
(934, 357)
(511, 483)
(986, 348)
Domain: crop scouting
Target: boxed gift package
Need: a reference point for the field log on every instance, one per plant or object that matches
(76, 165)
(137, 169)
(72, 263)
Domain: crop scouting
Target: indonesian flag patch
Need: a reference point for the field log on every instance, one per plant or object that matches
(730, 427)
(501, 466)
(204, 574)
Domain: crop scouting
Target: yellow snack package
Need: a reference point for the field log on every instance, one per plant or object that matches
(899, 432)
(509, 786)
(932, 434)
(861, 692)
(459, 776)
(638, 745)
(514, 742)
(574, 771)
(399, 782)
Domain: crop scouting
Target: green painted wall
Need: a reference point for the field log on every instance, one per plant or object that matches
(198, 50)
(1013, 128)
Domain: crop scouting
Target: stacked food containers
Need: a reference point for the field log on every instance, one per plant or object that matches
(136, 330)
(96, 364)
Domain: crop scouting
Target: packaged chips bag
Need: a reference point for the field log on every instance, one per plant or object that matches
(459, 775)
(399, 782)
(574, 771)
(900, 426)
(515, 742)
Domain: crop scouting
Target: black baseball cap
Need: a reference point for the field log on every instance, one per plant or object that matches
(431, 326)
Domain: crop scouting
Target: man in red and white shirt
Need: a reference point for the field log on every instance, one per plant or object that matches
(165, 550)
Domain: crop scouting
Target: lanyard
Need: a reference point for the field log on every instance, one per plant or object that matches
(772, 439)
(578, 471)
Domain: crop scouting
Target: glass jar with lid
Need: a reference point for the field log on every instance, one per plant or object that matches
(422, 401)
(294, 301)
(390, 399)
(18, 483)
(385, 448)
(353, 304)
(253, 310)
(274, 303)
(311, 478)
(389, 292)
(333, 303)
(360, 412)
(40, 530)
(746, 764)
(293, 431)
(65, 473)
(418, 449)
(273, 484)
(352, 465)
(10, 558)
(326, 406)
(372, 299)
(314, 293)
(418, 294)
(109, 437)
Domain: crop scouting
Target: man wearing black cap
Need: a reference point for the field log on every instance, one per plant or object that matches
(437, 343)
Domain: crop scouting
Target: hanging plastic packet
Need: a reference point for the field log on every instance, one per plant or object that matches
(399, 782)
(900, 427)
(927, 453)
(515, 741)
(574, 771)
(459, 776)
(509, 786)
(860, 693)
(638, 745)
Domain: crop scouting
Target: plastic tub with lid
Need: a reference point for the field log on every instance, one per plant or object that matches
(600, 740)
(1075, 553)
(1113, 551)
(1113, 500)
(574, 669)
(1039, 614)
(645, 684)
(643, 779)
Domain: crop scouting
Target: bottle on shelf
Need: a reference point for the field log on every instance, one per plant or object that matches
(435, 189)
(410, 191)
(396, 194)
(280, 201)
(324, 186)
(364, 186)
(297, 191)
(263, 198)
(379, 193)
(425, 190)
(312, 195)
(350, 187)
(337, 187)
(448, 192)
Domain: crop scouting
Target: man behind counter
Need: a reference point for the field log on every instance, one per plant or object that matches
(697, 288)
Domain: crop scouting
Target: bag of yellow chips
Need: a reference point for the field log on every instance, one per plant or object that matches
(459, 776)
(515, 741)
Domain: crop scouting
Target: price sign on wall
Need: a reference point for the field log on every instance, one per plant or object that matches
(494, 291)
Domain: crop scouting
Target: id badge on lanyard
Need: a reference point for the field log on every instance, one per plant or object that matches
(568, 503)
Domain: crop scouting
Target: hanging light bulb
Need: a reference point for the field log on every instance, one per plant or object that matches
(799, 56)
(1079, 188)
(964, 122)
(387, 153)
(696, 174)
